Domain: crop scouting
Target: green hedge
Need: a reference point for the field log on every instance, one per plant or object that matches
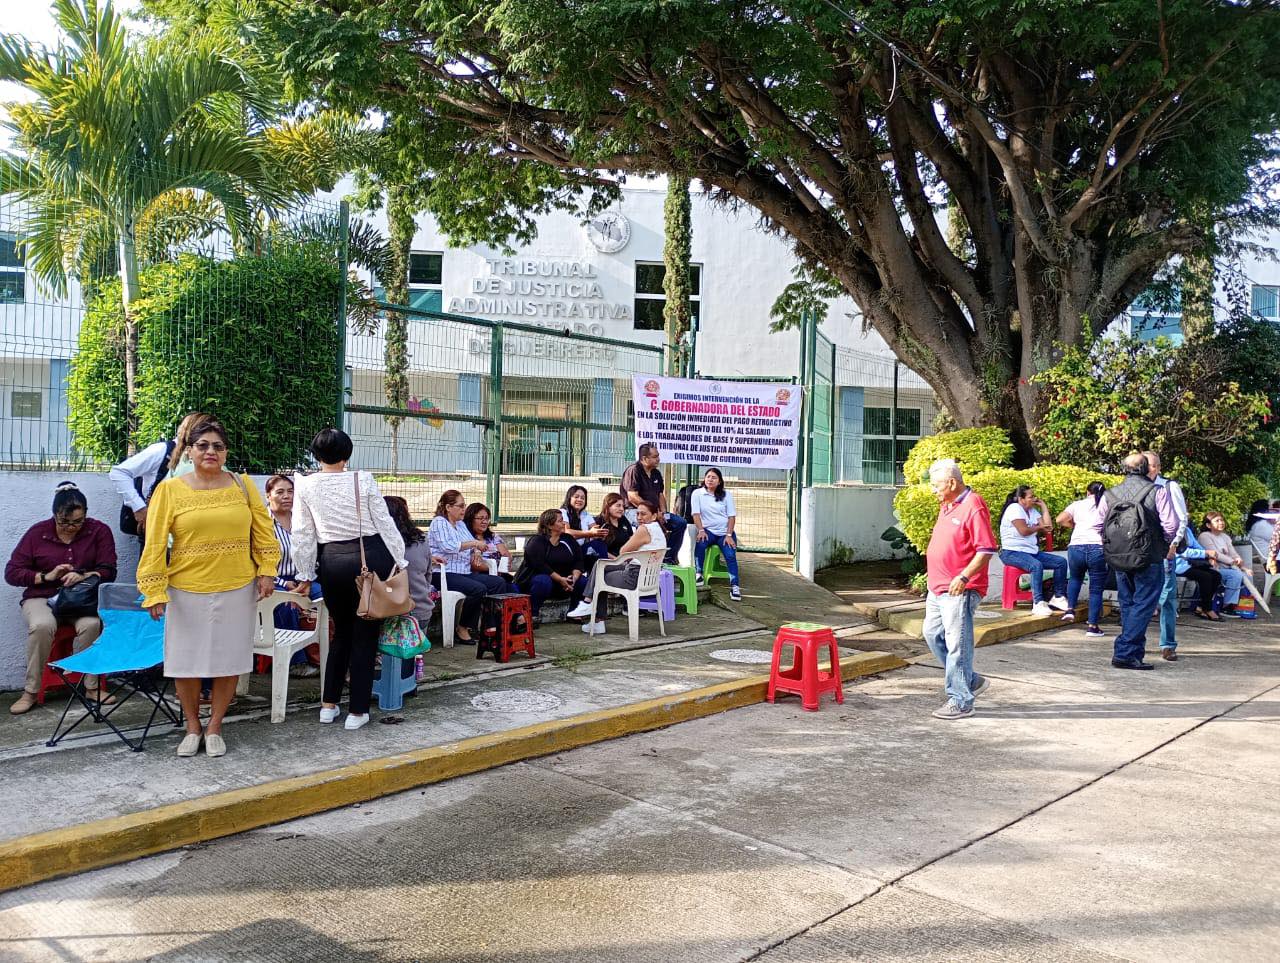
(1059, 485)
(975, 449)
(252, 340)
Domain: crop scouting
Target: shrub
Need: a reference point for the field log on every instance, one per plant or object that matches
(1233, 501)
(1059, 485)
(253, 341)
(975, 449)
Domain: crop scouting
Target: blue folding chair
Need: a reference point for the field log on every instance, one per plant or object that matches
(130, 651)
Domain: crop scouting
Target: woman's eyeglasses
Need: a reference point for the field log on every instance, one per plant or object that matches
(214, 446)
(72, 522)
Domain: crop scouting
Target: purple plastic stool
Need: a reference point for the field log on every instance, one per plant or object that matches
(666, 597)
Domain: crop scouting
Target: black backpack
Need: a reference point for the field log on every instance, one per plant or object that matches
(1131, 535)
(684, 502)
(129, 524)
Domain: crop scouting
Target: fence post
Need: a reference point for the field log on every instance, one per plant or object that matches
(893, 429)
(493, 459)
(344, 230)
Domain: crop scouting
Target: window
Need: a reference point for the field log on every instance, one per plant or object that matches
(881, 465)
(650, 298)
(426, 273)
(1156, 314)
(25, 404)
(13, 275)
(1265, 301)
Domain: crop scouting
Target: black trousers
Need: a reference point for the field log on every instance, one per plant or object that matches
(475, 587)
(1207, 580)
(355, 640)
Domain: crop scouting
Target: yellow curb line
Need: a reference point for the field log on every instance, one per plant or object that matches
(118, 839)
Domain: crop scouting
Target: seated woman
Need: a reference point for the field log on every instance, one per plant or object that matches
(552, 565)
(1215, 539)
(1024, 518)
(650, 534)
(449, 540)
(715, 515)
(54, 554)
(1196, 564)
(582, 526)
(279, 488)
(418, 554)
(477, 519)
(614, 523)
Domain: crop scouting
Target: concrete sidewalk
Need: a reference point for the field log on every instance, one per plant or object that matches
(1083, 815)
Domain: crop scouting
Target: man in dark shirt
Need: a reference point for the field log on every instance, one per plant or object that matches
(642, 482)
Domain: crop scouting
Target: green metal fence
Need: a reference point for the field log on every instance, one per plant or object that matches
(507, 413)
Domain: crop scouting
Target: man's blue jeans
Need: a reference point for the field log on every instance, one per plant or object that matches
(1081, 559)
(1034, 566)
(1139, 594)
(948, 631)
(675, 536)
(1169, 607)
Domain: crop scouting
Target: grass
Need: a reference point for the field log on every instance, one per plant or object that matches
(572, 659)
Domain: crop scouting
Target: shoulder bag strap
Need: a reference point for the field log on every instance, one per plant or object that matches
(243, 491)
(364, 565)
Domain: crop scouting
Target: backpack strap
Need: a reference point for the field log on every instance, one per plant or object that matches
(163, 470)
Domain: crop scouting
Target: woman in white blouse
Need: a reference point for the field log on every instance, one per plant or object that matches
(650, 534)
(329, 522)
(450, 539)
(715, 515)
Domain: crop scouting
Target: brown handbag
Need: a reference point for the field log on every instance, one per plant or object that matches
(379, 599)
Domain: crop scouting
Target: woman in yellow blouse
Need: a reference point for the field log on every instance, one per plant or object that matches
(222, 562)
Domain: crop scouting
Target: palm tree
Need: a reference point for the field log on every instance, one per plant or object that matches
(126, 145)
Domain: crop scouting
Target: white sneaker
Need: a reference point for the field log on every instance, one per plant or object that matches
(579, 611)
(354, 721)
(328, 715)
(594, 628)
(1041, 608)
(1059, 603)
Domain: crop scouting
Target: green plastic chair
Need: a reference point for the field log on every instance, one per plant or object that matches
(713, 565)
(687, 587)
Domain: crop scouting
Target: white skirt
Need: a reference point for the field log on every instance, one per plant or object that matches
(209, 635)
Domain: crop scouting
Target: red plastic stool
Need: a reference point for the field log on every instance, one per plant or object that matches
(803, 678)
(513, 617)
(1011, 594)
(61, 648)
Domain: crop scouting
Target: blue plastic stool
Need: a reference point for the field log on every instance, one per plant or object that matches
(714, 566)
(666, 597)
(390, 686)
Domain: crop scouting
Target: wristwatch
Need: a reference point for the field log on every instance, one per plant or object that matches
(963, 578)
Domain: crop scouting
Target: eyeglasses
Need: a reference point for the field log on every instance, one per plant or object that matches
(214, 446)
(72, 522)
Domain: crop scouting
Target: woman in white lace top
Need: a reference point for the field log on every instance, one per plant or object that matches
(328, 526)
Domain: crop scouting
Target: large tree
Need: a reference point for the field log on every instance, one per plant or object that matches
(1081, 143)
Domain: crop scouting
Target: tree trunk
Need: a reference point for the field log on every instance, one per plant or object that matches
(130, 292)
(401, 228)
(677, 283)
(1197, 296)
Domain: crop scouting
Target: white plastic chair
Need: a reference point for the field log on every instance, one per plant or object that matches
(646, 586)
(449, 602)
(281, 644)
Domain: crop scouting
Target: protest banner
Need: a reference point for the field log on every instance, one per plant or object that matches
(724, 423)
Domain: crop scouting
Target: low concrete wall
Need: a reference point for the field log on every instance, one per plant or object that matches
(843, 522)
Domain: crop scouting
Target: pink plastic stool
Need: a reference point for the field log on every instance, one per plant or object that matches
(666, 597)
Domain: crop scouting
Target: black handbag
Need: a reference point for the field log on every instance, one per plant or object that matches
(77, 601)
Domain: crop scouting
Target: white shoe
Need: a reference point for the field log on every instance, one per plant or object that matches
(1059, 603)
(1041, 608)
(328, 715)
(594, 628)
(579, 611)
(214, 745)
(354, 721)
(189, 745)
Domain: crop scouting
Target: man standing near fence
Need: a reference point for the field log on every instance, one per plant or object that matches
(958, 556)
(642, 482)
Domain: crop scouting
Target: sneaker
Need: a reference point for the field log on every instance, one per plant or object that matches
(579, 611)
(697, 580)
(1069, 617)
(328, 715)
(952, 710)
(304, 671)
(1041, 608)
(983, 684)
(735, 593)
(1094, 632)
(593, 628)
(1059, 603)
(354, 721)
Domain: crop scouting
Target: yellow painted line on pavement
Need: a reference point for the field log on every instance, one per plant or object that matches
(118, 839)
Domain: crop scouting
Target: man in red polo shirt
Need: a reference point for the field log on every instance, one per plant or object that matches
(959, 553)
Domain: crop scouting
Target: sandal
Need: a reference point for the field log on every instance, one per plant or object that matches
(1207, 616)
(100, 696)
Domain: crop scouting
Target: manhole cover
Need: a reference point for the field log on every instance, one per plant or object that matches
(515, 700)
(754, 656)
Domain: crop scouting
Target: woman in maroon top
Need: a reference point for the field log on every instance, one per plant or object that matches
(56, 553)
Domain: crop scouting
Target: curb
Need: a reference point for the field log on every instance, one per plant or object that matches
(911, 622)
(119, 839)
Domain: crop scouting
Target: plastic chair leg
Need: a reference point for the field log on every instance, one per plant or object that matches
(633, 619)
(242, 684)
(279, 684)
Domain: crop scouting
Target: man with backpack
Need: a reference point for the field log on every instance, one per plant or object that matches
(1139, 526)
(1169, 593)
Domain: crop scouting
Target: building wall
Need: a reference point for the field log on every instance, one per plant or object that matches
(843, 521)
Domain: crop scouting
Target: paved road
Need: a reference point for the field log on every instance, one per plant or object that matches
(1085, 814)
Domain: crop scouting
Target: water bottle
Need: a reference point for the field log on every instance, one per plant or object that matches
(419, 669)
